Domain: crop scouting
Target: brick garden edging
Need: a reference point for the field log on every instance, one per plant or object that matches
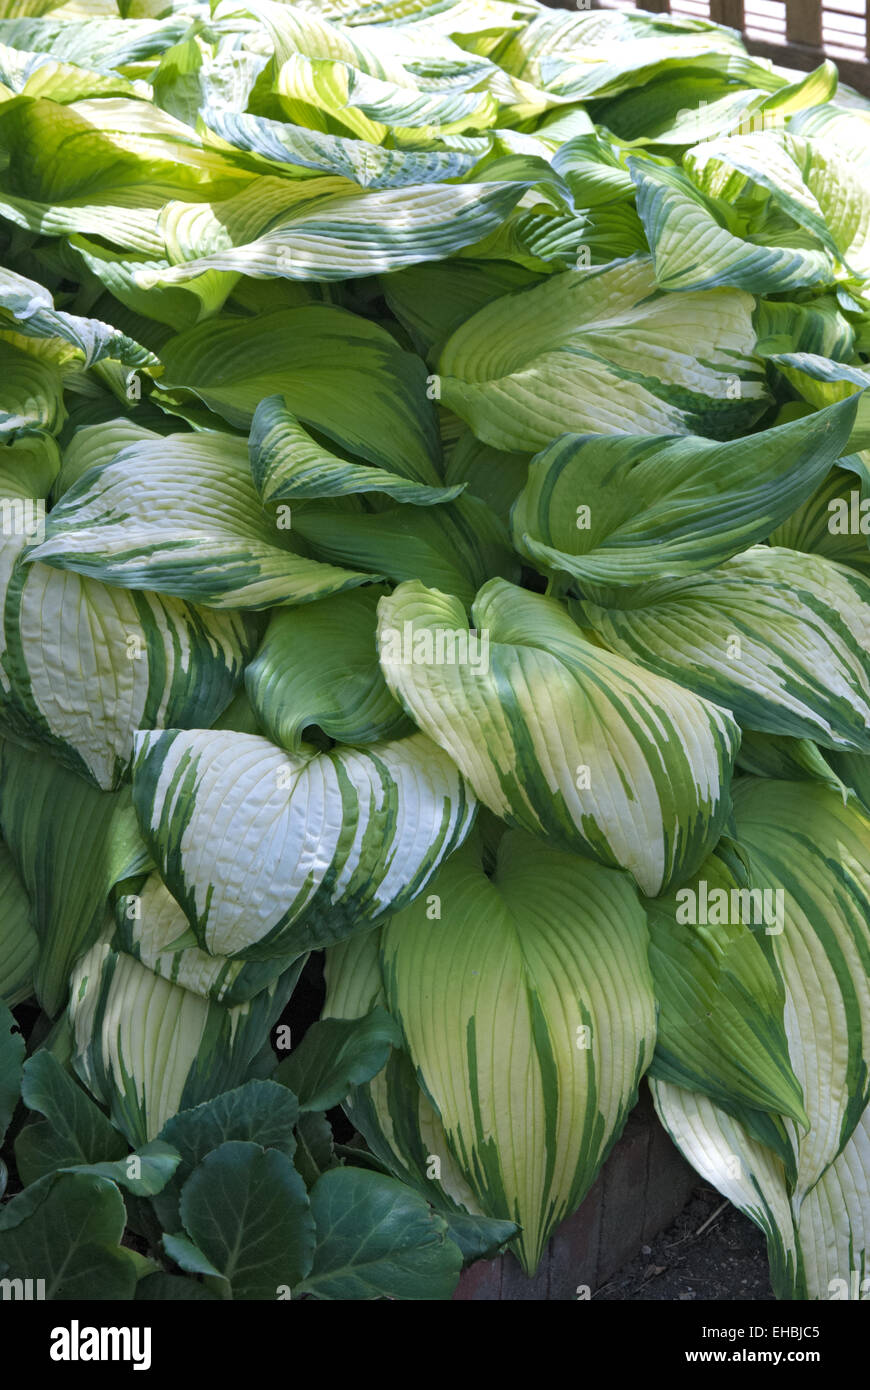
(641, 1189)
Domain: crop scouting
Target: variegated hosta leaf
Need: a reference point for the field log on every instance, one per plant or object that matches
(147, 1048)
(28, 468)
(528, 1010)
(821, 381)
(808, 179)
(392, 1111)
(833, 521)
(604, 351)
(89, 665)
(538, 237)
(95, 444)
(834, 1224)
(693, 250)
(778, 637)
(29, 465)
(619, 510)
(122, 273)
(19, 944)
(131, 222)
(720, 995)
(106, 41)
(342, 232)
(30, 308)
(853, 771)
(455, 547)
(32, 394)
(433, 300)
(818, 1248)
(593, 170)
(597, 53)
(722, 1150)
(814, 852)
(844, 129)
(558, 736)
(319, 665)
(338, 373)
(287, 463)
(293, 147)
(291, 28)
(181, 515)
(671, 110)
(818, 326)
(273, 853)
(150, 925)
(312, 90)
(792, 760)
(104, 148)
(71, 844)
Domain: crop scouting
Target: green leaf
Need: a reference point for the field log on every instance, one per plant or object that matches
(12, 1049)
(720, 996)
(19, 944)
(144, 1173)
(67, 1229)
(74, 1130)
(455, 547)
(621, 510)
(260, 1110)
(479, 1237)
(315, 1148)
(336, 1054)
(286, 462)
(336, 372)
(318, 664)
(247, 1210)
(190, 1258)
(377, 1239)
(71, 844)
(170, 1287)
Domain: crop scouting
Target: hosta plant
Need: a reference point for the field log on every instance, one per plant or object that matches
(434, 490)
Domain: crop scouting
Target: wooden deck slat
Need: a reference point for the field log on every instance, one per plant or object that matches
(802, 47)
(728, 12)
(803, 22)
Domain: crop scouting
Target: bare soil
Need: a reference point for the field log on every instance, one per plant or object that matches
(711, 1252)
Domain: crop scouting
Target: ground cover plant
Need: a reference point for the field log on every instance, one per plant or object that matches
(434, 489)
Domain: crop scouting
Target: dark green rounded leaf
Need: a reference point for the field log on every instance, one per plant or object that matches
(377, 1238)
(247, 1210)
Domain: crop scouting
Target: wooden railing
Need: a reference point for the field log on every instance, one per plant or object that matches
(793, 33)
